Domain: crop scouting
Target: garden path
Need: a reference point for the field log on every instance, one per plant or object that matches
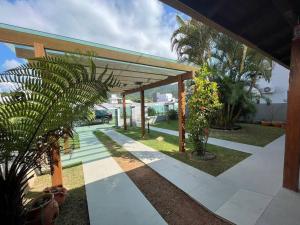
(241, 194)
(111, 196)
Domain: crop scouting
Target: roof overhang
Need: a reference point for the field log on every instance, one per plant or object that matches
(264, 25)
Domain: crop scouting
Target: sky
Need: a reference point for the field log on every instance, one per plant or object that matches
(141, 25)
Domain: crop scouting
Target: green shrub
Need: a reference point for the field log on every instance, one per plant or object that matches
(172, 114)
(151, 111)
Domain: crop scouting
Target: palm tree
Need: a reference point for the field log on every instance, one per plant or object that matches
(236, 68)
(52, 93)
(193, 41)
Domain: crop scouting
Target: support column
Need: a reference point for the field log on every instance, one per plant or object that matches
(56, 178)
(142, 113)
(39, 50)
(124, 112)
(292, 139)
(181, 114)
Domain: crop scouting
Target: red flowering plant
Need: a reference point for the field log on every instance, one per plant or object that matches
(203, 104)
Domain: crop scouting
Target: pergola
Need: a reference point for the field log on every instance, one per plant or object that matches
(136, 71)
(272, 27)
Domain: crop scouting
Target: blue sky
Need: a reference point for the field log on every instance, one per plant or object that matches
(113, 22)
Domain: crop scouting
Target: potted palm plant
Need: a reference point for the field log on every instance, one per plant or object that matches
(59, 193)
(52, 93)
(43, 208)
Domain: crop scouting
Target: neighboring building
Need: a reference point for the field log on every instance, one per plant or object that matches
(276, 89)
(114, 99)
(167, 97)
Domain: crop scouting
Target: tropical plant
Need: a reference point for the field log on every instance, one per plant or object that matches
(193, 41)
(203, 104)
(235, 67)
(52, 94)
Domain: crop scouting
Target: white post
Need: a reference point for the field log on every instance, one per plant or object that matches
(117, 117)
(132, 116)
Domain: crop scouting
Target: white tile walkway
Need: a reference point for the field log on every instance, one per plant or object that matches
(283, 209)
(241, 194)
(261, 172)
(113, 199)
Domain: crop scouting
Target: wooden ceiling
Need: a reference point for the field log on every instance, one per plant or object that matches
(266, 25)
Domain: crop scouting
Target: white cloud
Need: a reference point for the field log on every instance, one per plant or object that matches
(11, 47)
(140, 25)
(7, 87)
(10, 63)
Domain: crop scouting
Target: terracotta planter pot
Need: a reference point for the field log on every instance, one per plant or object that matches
(277, 124)
(43, 210)
(60, 193)
(266, 123)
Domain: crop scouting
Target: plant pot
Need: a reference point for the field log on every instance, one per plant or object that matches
(266, 123)
(42, 210)
(60, 193)
(277, 124)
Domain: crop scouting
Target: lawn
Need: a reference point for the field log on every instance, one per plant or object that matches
(168, 144)
(75, 141)
(252, 134)
(74, 211)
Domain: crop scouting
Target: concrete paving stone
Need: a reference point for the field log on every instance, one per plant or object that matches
(245, 207)
(283, 209)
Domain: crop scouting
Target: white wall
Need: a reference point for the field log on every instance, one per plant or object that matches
(279, 82)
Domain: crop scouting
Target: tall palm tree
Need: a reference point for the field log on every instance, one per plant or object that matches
(192, 41)
(51, 93)
(236, 68)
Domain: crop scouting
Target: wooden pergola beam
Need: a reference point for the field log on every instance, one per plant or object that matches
(181, 109)
(292, 139)
(169, 80)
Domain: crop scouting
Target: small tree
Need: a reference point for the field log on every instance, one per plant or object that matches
(203, 103)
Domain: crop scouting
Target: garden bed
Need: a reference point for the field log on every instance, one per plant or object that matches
(252, 134)
(168, 144)
(175, 206)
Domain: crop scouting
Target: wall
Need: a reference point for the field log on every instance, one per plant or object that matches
(279, 82)
(272, 112)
